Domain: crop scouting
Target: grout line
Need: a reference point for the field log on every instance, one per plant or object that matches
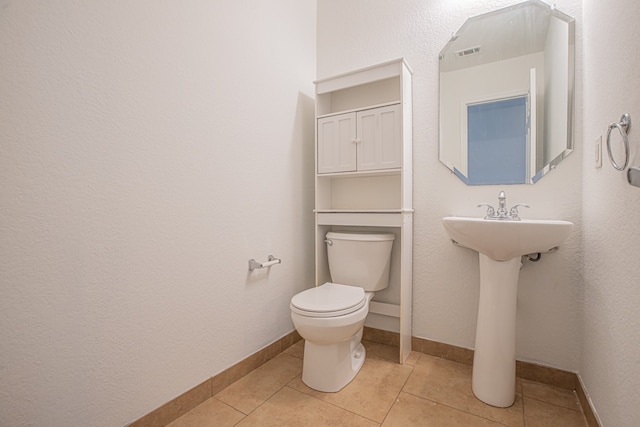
(235, 409)
(396, 399)
(524, 406)
(456, 409)
(555, 404)
(332, 404)
(268, 398)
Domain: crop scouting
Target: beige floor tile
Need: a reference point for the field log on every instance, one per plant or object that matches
(558, 396)
(210, 413)
(449, 383)
(543, 414)
(253, 389)
(371, 393)
(296, 350)
(425, 391)
(410, 411)
(292, 408)
(382, 351)
(412, 359)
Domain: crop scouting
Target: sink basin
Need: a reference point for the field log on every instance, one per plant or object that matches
(500, 245)
(504, 240)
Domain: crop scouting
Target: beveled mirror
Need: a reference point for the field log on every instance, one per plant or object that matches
(506, 95)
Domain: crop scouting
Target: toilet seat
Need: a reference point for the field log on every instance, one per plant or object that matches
(328, 300)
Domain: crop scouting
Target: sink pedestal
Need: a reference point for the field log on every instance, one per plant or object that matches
(494, 360)
(501, 244)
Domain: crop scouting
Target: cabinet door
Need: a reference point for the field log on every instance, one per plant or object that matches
(380, 137)
(337, 143)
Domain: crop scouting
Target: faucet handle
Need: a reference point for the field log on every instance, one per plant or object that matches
(513, 213)
(491, 211)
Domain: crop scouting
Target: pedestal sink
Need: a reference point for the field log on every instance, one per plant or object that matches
(500, 244)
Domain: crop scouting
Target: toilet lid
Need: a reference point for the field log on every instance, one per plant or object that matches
(328, 300)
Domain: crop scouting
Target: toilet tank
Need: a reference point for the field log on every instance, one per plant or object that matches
(360, 259)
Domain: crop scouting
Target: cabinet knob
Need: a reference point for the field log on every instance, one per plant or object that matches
(356, 140)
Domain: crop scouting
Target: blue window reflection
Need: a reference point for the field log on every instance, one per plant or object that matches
(497, 142)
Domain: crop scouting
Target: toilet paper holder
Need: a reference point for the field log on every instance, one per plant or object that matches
(271, 260)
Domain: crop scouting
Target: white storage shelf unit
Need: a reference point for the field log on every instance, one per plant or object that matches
(364, 176)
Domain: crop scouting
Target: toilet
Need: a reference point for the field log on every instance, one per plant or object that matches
(331, 317)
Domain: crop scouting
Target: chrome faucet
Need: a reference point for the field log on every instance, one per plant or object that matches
(502, 214)
(502, 205)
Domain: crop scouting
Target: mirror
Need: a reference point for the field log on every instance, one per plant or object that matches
(506, 95)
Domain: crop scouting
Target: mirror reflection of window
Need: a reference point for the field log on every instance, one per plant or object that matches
(497, 141)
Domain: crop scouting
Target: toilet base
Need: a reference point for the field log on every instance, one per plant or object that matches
(329, 368)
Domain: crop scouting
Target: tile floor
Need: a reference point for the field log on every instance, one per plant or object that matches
(425, 391)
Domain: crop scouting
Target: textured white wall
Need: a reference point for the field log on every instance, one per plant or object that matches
(359, 33)
(148, 150)
(610, 361)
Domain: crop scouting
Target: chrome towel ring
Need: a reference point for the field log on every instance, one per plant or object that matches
(624, 126)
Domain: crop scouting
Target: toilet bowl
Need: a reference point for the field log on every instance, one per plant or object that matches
(333, 353)
(331, 317)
